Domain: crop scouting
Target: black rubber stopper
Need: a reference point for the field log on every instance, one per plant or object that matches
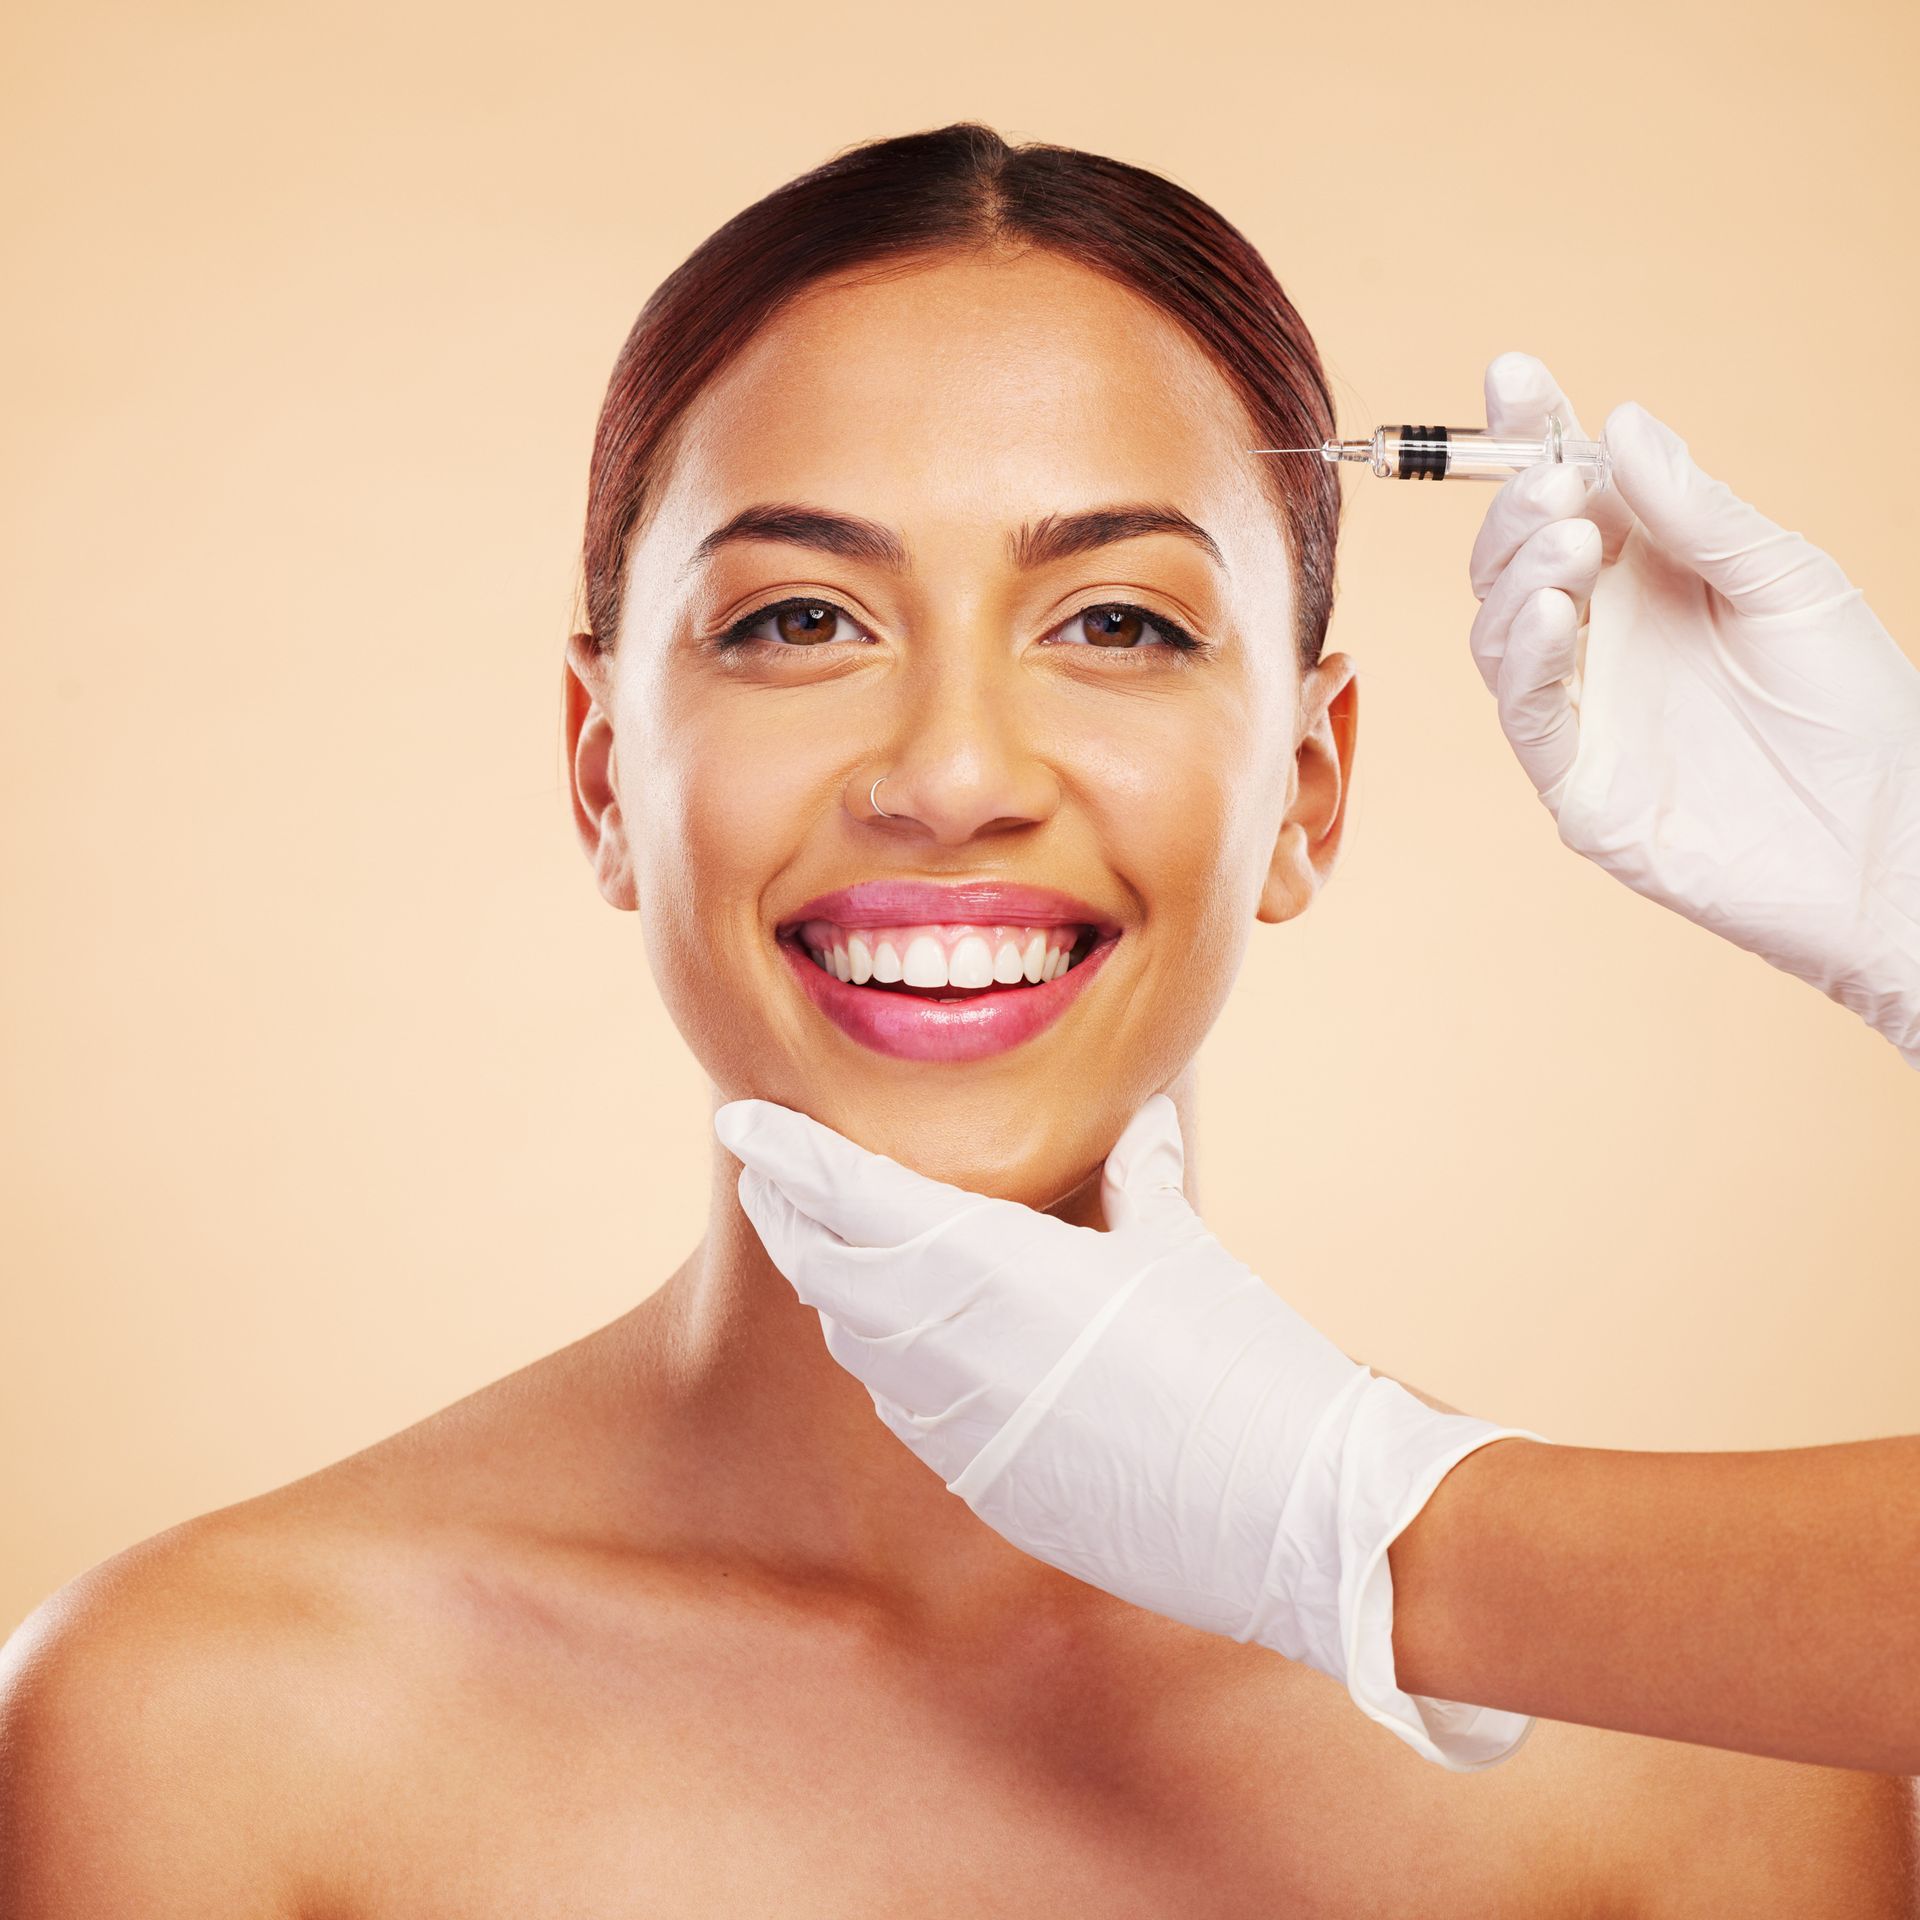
(1423, 463)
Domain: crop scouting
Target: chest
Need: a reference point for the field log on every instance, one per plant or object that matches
(820, 1774)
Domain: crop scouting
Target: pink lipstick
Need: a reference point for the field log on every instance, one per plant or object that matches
(874, 1003)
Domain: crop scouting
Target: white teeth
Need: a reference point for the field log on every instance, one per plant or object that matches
(926, 963)
(966, 958)
(971, 963)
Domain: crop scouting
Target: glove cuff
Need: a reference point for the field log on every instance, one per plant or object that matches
(1396, 1451)
(1372, 1463)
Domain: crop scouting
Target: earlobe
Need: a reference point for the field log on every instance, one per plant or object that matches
(594, 773)
(1308, 844)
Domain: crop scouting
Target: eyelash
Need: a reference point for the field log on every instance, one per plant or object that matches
(1176, 638)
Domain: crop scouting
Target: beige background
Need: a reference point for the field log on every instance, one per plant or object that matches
(332, 1090)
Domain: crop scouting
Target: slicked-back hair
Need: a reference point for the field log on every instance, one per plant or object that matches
(964, 187)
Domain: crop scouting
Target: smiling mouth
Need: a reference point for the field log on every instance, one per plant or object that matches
(944, 961)
(945, 974)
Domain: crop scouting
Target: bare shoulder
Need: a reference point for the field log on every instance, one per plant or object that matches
(161, 1717)
(191, 1726)
(1695, 1830)
(188, 1727)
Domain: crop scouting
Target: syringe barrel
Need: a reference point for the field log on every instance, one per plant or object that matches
(1472, 453)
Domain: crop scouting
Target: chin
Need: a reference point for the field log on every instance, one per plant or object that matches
(1038, 1166)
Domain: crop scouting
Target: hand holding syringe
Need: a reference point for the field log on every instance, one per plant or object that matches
(1702, 699)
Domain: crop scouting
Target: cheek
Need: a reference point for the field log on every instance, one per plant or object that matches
(1190, 816)
(718, 798)
(1186, 812)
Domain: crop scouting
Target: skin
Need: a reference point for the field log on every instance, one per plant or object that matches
(1762, 1601)
(1186, 800)
(668, 1622)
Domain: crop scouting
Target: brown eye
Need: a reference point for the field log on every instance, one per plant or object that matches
(793, 626)
(1117, 626)
(1113, 626)
(805, 624)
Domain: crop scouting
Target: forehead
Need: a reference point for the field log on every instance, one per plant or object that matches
(976, 386)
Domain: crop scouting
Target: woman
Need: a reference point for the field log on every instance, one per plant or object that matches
(936, 607)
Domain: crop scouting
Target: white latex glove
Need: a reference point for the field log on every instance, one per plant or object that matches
(1134, 1407)
(1732, 732)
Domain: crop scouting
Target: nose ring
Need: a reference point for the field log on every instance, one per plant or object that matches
(874, 803)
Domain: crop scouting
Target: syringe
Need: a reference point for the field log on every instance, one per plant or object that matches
(1461, 453)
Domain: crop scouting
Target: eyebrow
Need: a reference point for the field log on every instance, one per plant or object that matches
(1038, 543)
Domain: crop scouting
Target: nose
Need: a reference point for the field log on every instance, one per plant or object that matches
(962, 762)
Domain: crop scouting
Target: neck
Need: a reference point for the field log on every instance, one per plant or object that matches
(793, 1469)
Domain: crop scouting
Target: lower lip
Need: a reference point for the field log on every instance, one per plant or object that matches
(910, 1028)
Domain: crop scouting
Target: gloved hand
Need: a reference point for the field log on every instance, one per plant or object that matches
(1134, 1407)
(1706, 705)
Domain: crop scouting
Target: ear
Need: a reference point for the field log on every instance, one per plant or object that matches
(1309, 842)
(594, 773)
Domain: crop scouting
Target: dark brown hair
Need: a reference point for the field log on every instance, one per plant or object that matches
(963, 186)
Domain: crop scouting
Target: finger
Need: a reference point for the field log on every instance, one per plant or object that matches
(944, 1429)
(1523, 505)
(1534, 692)
(1761, 566)
(791, 1238)
(1141, 1182)
(866, 1291)
(1563, 554)
(910, 1428)
(1522, 395)
(875, 1363)
(867, 1198)
(879, 1293)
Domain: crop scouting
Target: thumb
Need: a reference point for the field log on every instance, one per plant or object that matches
(1761, 567)
(1140, 1185)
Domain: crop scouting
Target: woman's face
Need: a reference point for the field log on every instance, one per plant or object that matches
(906, 587)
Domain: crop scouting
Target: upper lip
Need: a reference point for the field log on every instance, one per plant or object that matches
(911, 903)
